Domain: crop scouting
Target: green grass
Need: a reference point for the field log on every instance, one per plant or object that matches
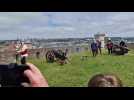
(78, 72)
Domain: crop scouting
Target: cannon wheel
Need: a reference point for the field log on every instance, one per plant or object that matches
(60, 52)
(50, 56)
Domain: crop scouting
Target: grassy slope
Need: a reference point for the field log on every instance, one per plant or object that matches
(78, 72)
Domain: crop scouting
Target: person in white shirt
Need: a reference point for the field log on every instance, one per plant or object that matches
(17, 48)
(23, 53)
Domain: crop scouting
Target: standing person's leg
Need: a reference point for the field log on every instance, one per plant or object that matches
(111, 51)
(23, 60)
(93, 53)
(108, 51)
(96, 52)
(100, 50)
(16, 58)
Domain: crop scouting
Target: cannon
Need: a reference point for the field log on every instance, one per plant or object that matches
(50, 56)
(120, 50)
(56, 55)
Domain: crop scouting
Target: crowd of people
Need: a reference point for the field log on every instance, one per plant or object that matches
(96, 46)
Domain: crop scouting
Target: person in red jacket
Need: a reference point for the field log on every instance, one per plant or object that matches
(110, 46)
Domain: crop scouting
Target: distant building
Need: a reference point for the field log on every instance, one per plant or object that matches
(29, 45)
(100, 37)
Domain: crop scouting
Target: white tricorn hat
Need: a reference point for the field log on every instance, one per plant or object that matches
(109, 38)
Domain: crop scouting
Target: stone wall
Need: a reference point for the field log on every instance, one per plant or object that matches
(75, 49)
(130, 45)
(8, 56)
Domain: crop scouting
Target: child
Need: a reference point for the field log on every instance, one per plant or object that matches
(105, 80)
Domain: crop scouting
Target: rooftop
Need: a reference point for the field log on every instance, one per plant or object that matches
(99, 35)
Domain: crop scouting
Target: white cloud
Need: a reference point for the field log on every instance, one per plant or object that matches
(65, 24)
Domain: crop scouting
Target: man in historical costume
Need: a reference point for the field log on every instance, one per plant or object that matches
(23, 52)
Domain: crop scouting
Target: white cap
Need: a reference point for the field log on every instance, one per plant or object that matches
(109, 38)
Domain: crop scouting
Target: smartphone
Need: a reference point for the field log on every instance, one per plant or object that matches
(12, 75)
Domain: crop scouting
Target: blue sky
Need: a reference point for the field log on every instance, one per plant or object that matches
(65, 24)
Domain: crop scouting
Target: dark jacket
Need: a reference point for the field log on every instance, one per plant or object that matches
(122, 43)
(94, 46)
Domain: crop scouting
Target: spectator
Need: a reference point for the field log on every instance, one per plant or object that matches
(105, 80)
(110, 46)
(94, 48)
(99, 45)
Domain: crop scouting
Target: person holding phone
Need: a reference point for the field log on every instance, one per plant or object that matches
(35, 77)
